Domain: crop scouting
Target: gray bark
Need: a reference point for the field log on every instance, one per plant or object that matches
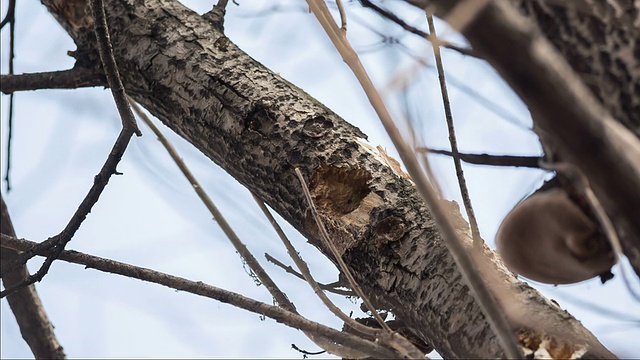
(259, 127)
(35, 327)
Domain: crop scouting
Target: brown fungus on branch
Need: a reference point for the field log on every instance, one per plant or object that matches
(548, 238)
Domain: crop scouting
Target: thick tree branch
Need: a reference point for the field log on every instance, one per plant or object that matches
(35, 327)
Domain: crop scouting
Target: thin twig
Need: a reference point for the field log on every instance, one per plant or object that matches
(199, 288)
(394, 18)
(336, 254)
(467, 264)
(487, 159)
(246, 255)
(327, 287)
(305, 352)
(462, 182)
(11, 14)
(74, 78)
(397, 341)
(306, 274)
(110, 67)
(11, 18)
(57, 243)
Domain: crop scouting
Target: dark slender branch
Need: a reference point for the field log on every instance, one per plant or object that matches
(11, 14)
(7, 178)
(199, 288)
(327, 287)
(110, 67)
(306, 273)
(12, 28)
(462, 182)
(490, 160)
(58, 242)
(305, 352)
(74, 78)
(393, 17)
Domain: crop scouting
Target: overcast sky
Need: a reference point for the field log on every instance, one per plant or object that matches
(151, 217)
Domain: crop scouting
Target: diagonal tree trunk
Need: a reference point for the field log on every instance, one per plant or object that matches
(259, 127)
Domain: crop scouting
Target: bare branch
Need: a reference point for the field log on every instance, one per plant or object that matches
(251, 261)
(492, 160)
(35, 327)
(464, 191)
(199, 288)
(414, 30)
(58, 242)
(327, 287)
(74, 78)
(110, 67)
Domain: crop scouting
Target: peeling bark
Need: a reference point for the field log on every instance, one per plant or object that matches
(259, 127)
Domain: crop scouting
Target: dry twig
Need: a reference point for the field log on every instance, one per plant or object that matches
(129, 127)
(467, 264)
(464, 191)
(199, 288)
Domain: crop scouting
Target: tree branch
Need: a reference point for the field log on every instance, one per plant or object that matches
(492, 160)
(35, 327)
(77, 77)
(199, 288)
(412, 29)
(58, 242)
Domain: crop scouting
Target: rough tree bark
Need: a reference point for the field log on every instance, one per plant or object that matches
(259, 127)
(35, 327)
